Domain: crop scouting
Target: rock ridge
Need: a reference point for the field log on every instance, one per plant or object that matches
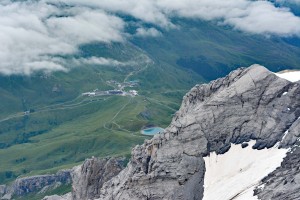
(92, 174)
(248, 104)
(39, 183)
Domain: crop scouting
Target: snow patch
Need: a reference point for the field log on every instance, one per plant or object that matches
(261, 186)
(235, 174)
(290, 76)
(285, 93)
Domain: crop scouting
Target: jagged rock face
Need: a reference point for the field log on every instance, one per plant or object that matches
(248, 104)
(91, 175)
(284, 182)
(26, 185)
(67, 196)
(2, 190)
(23, 186)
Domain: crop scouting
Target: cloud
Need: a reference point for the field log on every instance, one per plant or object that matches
(150, 32)
(98, 61)
(36, 35)
(145, 10)
(263, 18)
(257, 17)
(254, 16)
(86, 26)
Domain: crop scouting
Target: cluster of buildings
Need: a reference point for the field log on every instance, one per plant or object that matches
(121, 86)
(111, 92)
(119, 89)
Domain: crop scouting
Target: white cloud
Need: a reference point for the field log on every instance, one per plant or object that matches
(145, 10)
(259, 17)
(150, 32)
(263, 18)
(86, 26)
(35, 34)
(98, 61)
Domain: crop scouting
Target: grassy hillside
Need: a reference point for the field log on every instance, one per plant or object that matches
(213, 51)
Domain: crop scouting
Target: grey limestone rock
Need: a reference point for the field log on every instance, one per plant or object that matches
(26, 185)
(284, 182)
(2, 190)
(67, 196)
(249, 104)
(91, 175)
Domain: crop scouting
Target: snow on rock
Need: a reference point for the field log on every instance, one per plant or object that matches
(236, 173)
(292, 76)
(285, 134)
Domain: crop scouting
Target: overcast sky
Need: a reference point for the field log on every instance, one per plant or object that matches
(33, 33)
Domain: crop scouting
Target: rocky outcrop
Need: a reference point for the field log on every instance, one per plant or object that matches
(88, 178)
(2, 190)
(91, 175)
(26, 185)
(67, 196)
(34, 184)
(284, 182)
(249, 104)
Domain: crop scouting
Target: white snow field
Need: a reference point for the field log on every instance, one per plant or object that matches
(235, 174)
(292, 76)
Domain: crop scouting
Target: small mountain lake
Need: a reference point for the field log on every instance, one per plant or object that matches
(152, 131)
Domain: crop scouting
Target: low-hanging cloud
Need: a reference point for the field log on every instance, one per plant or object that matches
(36, 35)
(147, 32)
(98, 61)
(258, 17)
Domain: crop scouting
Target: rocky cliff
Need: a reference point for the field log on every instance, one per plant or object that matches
(249, 104)
(90, 177)
(34, 184)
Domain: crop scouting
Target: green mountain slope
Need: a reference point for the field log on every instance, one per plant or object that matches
(213, 51)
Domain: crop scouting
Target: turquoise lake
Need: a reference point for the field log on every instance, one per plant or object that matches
(152, 131)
